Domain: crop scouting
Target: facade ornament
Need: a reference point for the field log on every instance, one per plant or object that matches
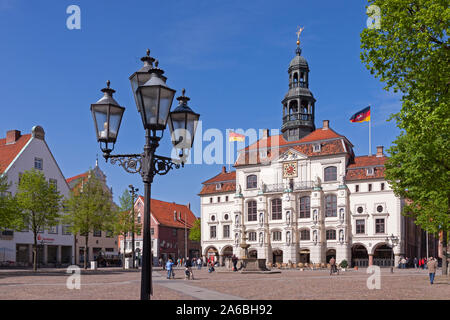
(236, 239)
(341, 236)
(261, 238)
(342, 179)
(288, 217)
(261, 218)
(236, 220)
(288, 238)
(315, 237)
(341, 214)
(315, 216)
(317, 183)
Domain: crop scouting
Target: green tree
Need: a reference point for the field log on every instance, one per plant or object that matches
(89, 208)
(39, 203)
(10, 216)
(411, 54)
(124, 222)
(195, 232)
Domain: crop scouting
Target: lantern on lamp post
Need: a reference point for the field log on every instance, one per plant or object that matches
(153, 100)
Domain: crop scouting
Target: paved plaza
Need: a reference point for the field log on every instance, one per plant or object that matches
(118, 284)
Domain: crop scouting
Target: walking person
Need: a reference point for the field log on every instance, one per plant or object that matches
(432, 265)
(415, 263)
(169, 266)
(403, 263)
(188, 265)
(199, 263)
(332, 265)
(234, 259)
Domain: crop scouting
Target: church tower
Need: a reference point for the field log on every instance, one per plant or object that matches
(298, 103)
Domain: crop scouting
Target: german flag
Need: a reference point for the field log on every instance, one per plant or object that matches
(233, 136)
(361, 116)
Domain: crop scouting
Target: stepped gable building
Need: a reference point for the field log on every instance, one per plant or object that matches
(170, 226)
(99, 242)
(303, 196)
(18, 153)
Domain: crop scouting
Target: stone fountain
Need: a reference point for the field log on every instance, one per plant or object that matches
(250, 265)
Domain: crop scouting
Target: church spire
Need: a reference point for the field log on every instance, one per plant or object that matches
(298, 103)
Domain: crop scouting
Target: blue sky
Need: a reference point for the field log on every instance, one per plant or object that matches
(231, 56)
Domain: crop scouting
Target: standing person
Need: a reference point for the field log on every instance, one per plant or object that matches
(432, 265)
(234, 259)
(332, 265)
(199, 263)
(415, 263)
(403, 262)
(169, 266)
(188, 265)
(161, 262)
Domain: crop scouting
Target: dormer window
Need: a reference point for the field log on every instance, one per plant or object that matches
(316, 147)
(218, 186)
(174, 216)
(370, 171)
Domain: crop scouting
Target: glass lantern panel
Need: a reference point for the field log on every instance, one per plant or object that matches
(101, 118)
(164, 105)
(115, 117)
(150, 96)
(177, 128)
(192, 123)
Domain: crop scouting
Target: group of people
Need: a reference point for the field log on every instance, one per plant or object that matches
(188, 265)
(406, 262)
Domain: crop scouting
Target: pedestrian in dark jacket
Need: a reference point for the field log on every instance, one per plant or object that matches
(234, 259)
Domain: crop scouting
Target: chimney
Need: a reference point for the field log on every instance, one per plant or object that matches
(266, 133)
(224, 169)
(326, 124)
(380, 151)
(12, 136)
(189, 205)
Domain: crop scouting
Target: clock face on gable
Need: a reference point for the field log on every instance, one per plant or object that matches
(290, 169)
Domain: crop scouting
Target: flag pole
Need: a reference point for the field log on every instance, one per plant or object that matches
(370, 133)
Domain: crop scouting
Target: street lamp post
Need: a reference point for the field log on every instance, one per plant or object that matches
(133, 192)
(153, 100)
(393, 240)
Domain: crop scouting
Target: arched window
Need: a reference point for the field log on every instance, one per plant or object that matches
(331, 234)
(252, 182)
(305, 209)
(330, 205)
(330, 174)
(295, 77)
(276, 209)
(251, 211)
(305, 234)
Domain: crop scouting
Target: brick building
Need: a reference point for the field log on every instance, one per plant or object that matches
(170, 226)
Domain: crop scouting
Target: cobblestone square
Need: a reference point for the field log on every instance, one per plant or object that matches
(118, 284)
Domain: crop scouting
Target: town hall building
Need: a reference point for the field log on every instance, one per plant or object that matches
(303, 196)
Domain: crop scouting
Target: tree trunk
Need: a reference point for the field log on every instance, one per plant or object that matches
(124, 246)
(86, 238)
(444, 253)
(35, 252)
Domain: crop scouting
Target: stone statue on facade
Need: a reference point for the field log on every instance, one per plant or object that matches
(288, 217)
(261, 218)
(261, 239)
(317, 182)
(288, 237)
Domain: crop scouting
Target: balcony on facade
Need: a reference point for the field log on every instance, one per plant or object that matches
(299, 84)
(285, 187)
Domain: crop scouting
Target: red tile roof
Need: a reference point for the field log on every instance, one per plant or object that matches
(163, 212)
(76, 177)
(9, 151)
(211, 188)
(223, 176)
(278, 140)
(358, 169)
(327, 148)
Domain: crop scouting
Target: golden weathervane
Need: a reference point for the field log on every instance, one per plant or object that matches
(299, 32)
